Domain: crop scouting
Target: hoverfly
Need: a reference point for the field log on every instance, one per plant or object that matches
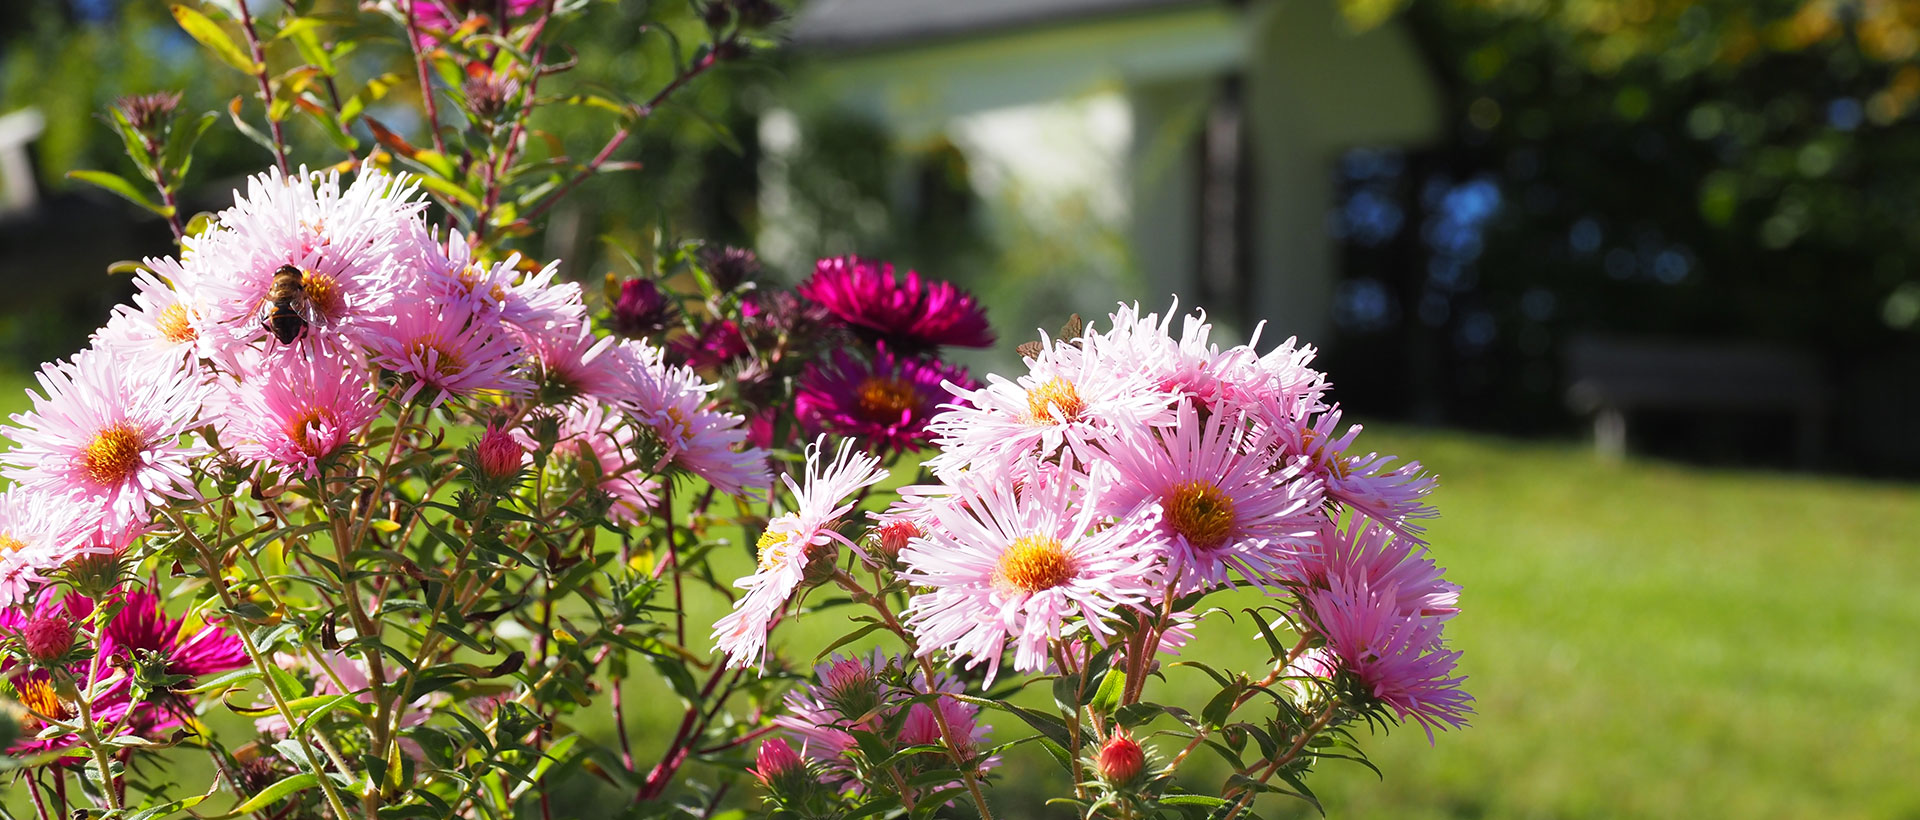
(286, 313)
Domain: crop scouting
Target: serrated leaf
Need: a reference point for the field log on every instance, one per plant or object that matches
(210, 34)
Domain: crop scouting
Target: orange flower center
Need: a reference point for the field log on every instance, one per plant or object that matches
(886, 399)
(300, 431)
(113, 455)
(1032, 564)
(39, 696)
(1317, 450)
(1200, 511)
(1055, 401)
(444, 362)
(323, 292)
(173, 324)
(8, 543)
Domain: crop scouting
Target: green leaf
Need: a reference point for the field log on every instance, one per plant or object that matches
(1112, 687)
(177, 157)
(272, 794)
(201, 28)
(302, 31)
(848, 638)
(119, 185)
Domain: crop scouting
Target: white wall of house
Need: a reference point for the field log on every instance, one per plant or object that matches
(1109, 110)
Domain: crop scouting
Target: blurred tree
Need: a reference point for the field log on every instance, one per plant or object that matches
(1720, 169)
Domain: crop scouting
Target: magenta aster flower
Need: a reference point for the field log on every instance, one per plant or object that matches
(643, 310)
(357, 247)
(449, 350)
(590, 431)
(719, 343)
(885, 403)
(672, 401)
(792, 542)
(1371, 484)
(142, 626)
(108, 437)
(431, 15)
(1017, 565)
(299, 407)
(1220, 501)
(910, 316)
(1396, 658)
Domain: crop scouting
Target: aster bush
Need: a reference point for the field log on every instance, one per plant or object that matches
(434, 554)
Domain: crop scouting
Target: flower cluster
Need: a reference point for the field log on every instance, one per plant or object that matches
(1081, 511)
(194, 381)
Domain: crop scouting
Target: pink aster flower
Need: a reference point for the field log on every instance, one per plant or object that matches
(590, 431)
(1371, 484)
(356, 247)
(1016, 565)
(449, 350)
(300, 407)
(909, 316)
(161, 323)
(38, 533)
(672, 401)
(568, 361)
(108, 437)
(1367, 551)
(866, 694)
(528, 302)
(885, 403)
(1397, 658)
(793, 541)
(1068, 398)
(1220, 501)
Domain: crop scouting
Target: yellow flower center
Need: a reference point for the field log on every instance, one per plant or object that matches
(8, 543)
(886, 399)
(323, 292)
(775, 548)
(173, 324)
(1055, 401)
(1032, 564)
(39, 696)
(677, 427)
(113, 455)
(444, 361)
(1200, 511)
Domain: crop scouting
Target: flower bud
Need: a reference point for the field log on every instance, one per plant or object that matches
(47, 639)
(642, 309)
(731, 267)
(779, 769)
(1121, 760)
(490, 93)
(148, 113)
(894, 535)
(499, 454)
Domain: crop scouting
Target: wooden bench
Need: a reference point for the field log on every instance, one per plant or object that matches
(1611, 377)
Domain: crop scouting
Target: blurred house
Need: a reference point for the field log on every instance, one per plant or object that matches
(1203, 133)
(54, 252)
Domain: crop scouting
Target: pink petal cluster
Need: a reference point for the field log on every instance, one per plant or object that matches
(866, 694)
